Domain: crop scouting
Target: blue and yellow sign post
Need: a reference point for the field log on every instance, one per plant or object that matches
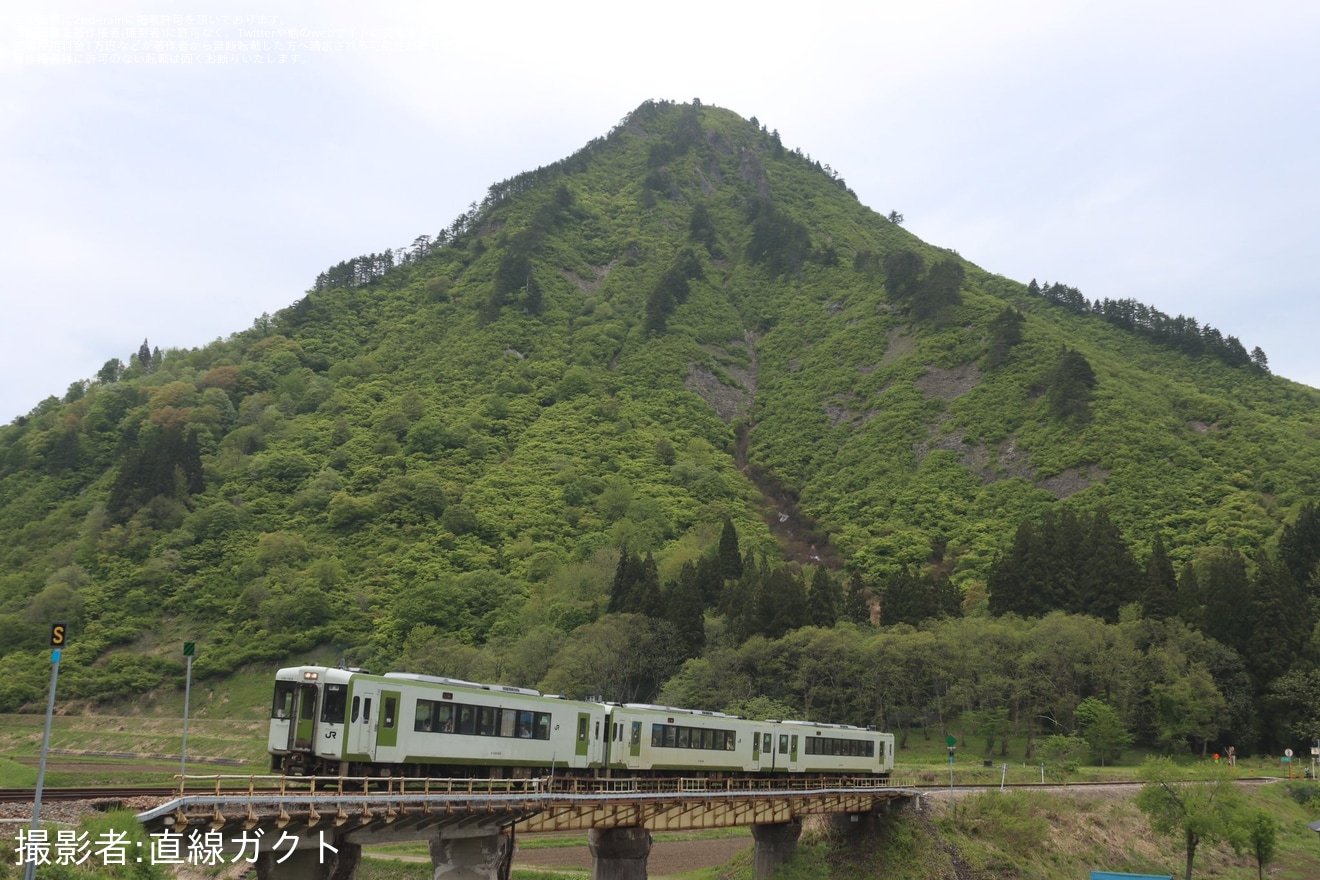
(59, 636)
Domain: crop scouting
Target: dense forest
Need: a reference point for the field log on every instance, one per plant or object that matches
(678, 418)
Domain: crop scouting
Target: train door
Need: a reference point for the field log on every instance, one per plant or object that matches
(387, 723)
(362, 719)
(302, 732)
(763, 752)
(635, 745)
(583, 741)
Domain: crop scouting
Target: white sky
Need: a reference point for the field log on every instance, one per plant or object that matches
(1160, 151)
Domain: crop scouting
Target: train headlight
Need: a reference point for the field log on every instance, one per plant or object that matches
(311, 676)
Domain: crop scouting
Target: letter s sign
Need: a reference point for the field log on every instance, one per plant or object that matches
(57, 634)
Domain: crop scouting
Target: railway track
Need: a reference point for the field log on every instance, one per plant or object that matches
(166, 792)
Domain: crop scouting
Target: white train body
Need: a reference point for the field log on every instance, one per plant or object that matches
(345, 722)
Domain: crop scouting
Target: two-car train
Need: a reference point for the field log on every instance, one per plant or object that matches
(347, 722)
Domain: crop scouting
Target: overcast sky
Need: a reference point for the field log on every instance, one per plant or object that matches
(166, 177)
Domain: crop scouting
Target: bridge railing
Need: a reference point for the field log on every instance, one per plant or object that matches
(270, 784)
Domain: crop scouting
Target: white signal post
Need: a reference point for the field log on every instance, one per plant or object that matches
(59, 634)
(189, 649)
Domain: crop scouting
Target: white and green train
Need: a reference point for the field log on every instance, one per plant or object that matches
(347, 722)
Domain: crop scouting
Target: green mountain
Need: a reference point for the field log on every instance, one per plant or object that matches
(684, 323)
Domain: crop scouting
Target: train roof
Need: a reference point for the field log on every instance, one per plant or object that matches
(458, 682)
(655, 708)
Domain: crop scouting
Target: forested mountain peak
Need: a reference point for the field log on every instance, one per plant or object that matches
(685, 327)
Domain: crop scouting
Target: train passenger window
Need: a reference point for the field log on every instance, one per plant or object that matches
(730, 740)
(424, 717)
(525, 725)
(783, 744)
(283, 705)
(708, 739)
(357, 704)
(684, 738)
(582, 729)
(334, 704)
(765, 744)
(657, 735)
(542, 725)
(444, 718)
(671, 736)
(508, 718)
(486, 721)
(636, 738)
(467, 720)
(389, 712)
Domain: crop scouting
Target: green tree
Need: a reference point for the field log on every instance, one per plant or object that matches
(1258, 834)
(1063, 755)
(822, 598)
(1103, 728)
(1196, 811)
(1005, 334)
(1159, 597)
(684, 608)
(1070, 385)
(731, 563)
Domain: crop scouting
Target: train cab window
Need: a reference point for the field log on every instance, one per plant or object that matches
(307, 710)
(783, 744)
(283, 705)
(334, 703)
(582, 730)
(389, 712)
(357, 705)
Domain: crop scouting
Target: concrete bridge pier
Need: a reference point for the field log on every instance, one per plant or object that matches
(483, 854)
(855, 825)
(775, 845)
(618, 853)
(311, 864)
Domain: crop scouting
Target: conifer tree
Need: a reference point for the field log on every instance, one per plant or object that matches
(685, 611)
(1069, 385)
(904, 600)
(1190, 603)
(1109, 576)
(1225, 589)
(857, 603)
(646, 595)
(1005, 333)
(1278, 623)
(823, 599)
(731, 563)
(1299, 547)
(1159, 598)
(783, 605)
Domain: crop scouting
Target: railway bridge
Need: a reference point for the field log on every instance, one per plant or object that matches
(317, 831)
